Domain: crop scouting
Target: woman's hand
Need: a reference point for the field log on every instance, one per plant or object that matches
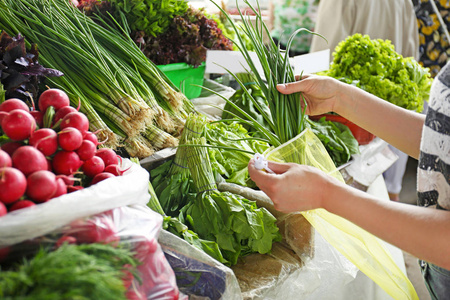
(321, 93)
(293, 187)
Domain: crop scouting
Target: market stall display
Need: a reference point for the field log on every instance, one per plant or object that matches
(192, 226)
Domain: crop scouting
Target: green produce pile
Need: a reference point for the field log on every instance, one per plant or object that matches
(376, 67)
(224, 225)
(236, 224)
(88, 271)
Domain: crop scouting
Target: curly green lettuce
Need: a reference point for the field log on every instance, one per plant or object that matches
(375, 66)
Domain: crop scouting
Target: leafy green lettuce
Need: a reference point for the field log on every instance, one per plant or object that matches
(376, 67)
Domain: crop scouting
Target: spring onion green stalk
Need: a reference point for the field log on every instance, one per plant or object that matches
(287, 117)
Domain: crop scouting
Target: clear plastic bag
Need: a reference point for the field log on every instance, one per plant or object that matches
(360, 247)
(113, 211)
(198, 274)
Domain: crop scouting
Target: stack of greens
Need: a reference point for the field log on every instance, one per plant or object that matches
(376, 67)
(122, 92)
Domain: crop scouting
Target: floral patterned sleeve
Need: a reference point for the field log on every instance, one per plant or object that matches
(434, 47)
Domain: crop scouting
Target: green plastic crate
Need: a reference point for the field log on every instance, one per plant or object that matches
(184, 76)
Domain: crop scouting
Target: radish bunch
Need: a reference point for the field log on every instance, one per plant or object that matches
(38, 164)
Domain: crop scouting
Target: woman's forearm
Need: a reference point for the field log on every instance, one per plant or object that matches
(417, 230)
(397, 126)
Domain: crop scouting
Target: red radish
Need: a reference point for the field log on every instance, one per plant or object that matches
(69, 179)
(108, 155)
(3, 210)
(66, 162)
(77, 120)
(61, 188)
(49, 165)
(4, 252)
(115, 170)
(127, 276)
(53, 97)
(100, 177)
(28, 160)
(18, 124)
(70, 139)
(13, 103)
(45, 140)
(41, 185)
(21, 204)
(12, 185)
(10, 147)
(95, 230)
(62, 112)
(74, 188)
(93, 166)
(91, 136)
(65, 239)
(38, 117)
(5, 159)
(86, 150)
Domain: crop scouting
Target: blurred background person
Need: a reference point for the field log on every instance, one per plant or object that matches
(290, 15)
(393, 20)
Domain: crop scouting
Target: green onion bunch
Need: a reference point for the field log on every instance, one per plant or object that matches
(122, 92)
(286, 118)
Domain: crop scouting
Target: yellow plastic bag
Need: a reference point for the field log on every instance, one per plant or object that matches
(360, 247)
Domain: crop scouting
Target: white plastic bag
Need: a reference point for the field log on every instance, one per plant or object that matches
(32, 222)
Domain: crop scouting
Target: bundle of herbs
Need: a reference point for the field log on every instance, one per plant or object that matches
(87, 271)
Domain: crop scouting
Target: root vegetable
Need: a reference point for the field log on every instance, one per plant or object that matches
(5, 159)
(61, 188)
(21, 204)
(18, 124)
(100, 177)
(93, 166)
(66, 162)
(77, 120)
(115, 170)
(53, 97)
(86, 150)
(45, 140)
(28, 160)
(108, 155)
(70, 139)
(13, 184)
(41, 185)
(62, 112)
(13, 103)
(38, 117)
(3, 210)
(10, 147)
